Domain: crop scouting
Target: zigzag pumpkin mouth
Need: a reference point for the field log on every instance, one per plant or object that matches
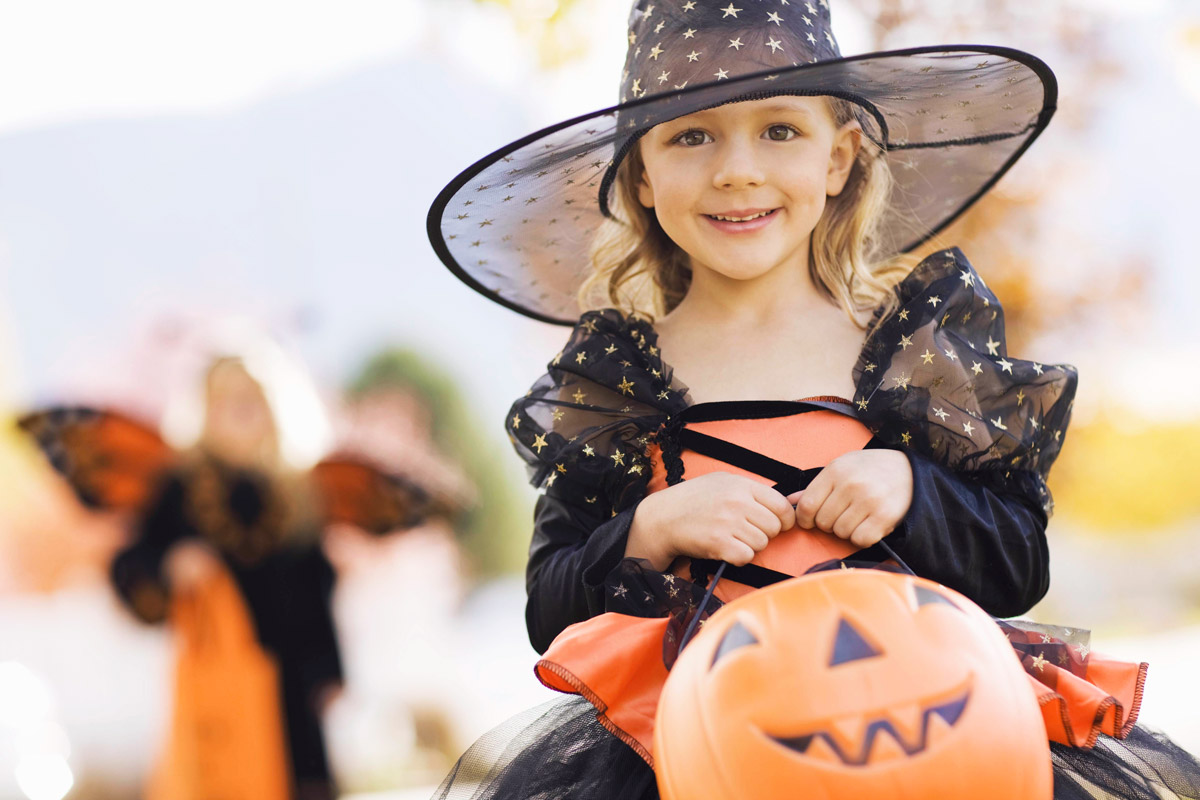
(949, 712)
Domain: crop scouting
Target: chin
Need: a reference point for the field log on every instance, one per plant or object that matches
(741, 268)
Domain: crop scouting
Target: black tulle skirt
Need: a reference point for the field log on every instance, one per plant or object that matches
(558, 750)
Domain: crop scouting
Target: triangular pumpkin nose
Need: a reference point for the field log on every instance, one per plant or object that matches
(925, 596)
(850, 645)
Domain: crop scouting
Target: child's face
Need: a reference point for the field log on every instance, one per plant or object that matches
(237, 414)
(773, 160)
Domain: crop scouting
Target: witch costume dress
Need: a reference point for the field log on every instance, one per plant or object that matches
(255, 642)
(610, 423)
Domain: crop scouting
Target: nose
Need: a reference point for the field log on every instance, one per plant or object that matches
(739, 165)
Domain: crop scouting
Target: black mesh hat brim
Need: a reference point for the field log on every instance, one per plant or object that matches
(517, 226)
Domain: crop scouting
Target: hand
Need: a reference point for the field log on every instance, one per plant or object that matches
(861, 496)
(718, 515)
(188, 564)
(326, 695)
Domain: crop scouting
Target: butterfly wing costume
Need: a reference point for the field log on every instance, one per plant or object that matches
(256, 643)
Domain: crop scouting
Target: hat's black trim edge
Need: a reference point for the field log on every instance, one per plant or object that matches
(970, 140)
(433, 220)
(1049, 106)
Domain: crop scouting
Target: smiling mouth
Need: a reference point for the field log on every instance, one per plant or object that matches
(949, 712)
(724, 218)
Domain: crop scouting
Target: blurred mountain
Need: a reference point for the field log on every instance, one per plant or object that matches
(306, 209)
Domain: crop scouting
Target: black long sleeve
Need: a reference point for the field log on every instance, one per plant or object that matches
(574, 548)
(136, 571)
(989, 546)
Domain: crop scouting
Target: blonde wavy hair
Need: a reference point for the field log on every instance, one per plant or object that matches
(638, 269)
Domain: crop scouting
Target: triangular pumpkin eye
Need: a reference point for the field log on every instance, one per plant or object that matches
(735, 638)
(925, 596)
(849, 645)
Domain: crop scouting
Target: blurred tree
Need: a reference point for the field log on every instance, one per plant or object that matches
(1011, 232)
(551, 25)
(494, 529)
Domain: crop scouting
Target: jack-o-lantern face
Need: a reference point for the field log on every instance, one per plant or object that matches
(857, 683)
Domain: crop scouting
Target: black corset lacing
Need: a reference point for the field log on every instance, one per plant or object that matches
(673, 438)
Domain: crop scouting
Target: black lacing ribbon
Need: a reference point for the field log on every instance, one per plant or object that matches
(674, 437)
(672, 449)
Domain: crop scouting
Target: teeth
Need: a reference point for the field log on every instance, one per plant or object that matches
(906, 722)
(886, 747)
(738, 219)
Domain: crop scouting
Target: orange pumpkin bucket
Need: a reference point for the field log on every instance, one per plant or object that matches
(850, 684)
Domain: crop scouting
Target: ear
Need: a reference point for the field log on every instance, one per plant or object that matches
(645, 191)
(846, 143)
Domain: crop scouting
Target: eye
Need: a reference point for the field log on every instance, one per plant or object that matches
(735, 638)
(691, 138)
(850, 645)
(781, 133)
(925, 596)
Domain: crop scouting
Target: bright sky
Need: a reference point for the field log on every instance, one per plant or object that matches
(70, 58)
(67, 59)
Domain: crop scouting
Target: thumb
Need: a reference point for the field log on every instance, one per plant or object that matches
(794, 497)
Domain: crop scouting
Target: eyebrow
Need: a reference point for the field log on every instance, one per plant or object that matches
(774, 108)
(781, 108)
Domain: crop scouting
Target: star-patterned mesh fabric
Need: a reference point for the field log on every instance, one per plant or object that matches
(934, 377)
(518, 225)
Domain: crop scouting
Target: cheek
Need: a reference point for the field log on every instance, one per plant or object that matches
(675, 189)
(803, 180)
(676, 210)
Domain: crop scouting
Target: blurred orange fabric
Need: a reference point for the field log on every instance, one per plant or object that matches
(226, 736)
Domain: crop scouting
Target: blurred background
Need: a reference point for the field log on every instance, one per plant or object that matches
(177, 174)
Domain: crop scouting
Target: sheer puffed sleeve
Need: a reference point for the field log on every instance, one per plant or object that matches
(935, 378)
(583, 430)
(587, 421)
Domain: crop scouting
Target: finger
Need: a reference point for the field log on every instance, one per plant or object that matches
(869, 531)
(777, 504)
(850, 520)
(767, 521)
(753, 537)
(834, 506)
(735, 551)
(811, 500)
(890, 511)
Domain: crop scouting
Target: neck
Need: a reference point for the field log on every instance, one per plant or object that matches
(718, 300)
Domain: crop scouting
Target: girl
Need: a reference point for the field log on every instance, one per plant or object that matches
(226, 547)
(746, 212)
(232, 515)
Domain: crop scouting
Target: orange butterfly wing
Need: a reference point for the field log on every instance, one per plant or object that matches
(110, 460)
(357, 493)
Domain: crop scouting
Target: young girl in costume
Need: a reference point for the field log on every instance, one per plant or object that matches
(226, 547)
(770, 380)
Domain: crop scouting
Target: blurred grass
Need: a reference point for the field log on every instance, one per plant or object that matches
(1120, 474)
